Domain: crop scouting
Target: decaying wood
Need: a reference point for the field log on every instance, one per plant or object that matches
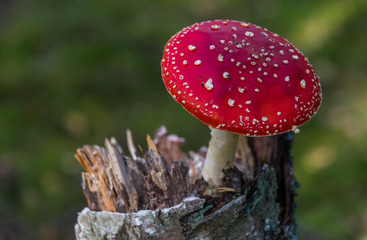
(159, 194)
(115, 182)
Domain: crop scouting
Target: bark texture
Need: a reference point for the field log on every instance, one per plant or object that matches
(159, 194)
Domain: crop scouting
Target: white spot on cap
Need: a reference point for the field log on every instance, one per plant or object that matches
(246, 25)
(259, 80)
(285, 61)
(241, 90)
(209, 84)
(249, 34)
(220, 58)
(281, 52)
(226, 75)
(212, 47)
(303, 83)
(191, 47)
(307, 71)
(275, 75)
(264, 119)
(279, 113)
(184, 62)
(197, 62)
(248, 102)
(286, 78)
(231, 102)
(215, 27)
(215, 106)
(242, 78)
(295, 129)
(295, 57)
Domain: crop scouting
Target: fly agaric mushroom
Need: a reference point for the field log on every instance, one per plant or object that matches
(239, 78)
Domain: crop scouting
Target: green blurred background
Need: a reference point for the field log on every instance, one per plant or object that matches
(75, 72)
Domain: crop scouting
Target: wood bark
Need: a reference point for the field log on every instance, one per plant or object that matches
(159, 193)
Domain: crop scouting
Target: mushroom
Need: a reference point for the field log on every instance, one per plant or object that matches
(238, 78)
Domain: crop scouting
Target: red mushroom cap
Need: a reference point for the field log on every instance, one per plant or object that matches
(241, 78)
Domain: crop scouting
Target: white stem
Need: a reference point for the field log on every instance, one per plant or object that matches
(222, 147)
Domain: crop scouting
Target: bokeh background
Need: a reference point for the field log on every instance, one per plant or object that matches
(75, 72)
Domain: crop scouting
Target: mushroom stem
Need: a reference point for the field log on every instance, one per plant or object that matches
(222, 147)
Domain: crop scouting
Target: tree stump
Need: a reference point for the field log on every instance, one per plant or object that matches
(159, 193)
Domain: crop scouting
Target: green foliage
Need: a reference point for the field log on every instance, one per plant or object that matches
(74, 72)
